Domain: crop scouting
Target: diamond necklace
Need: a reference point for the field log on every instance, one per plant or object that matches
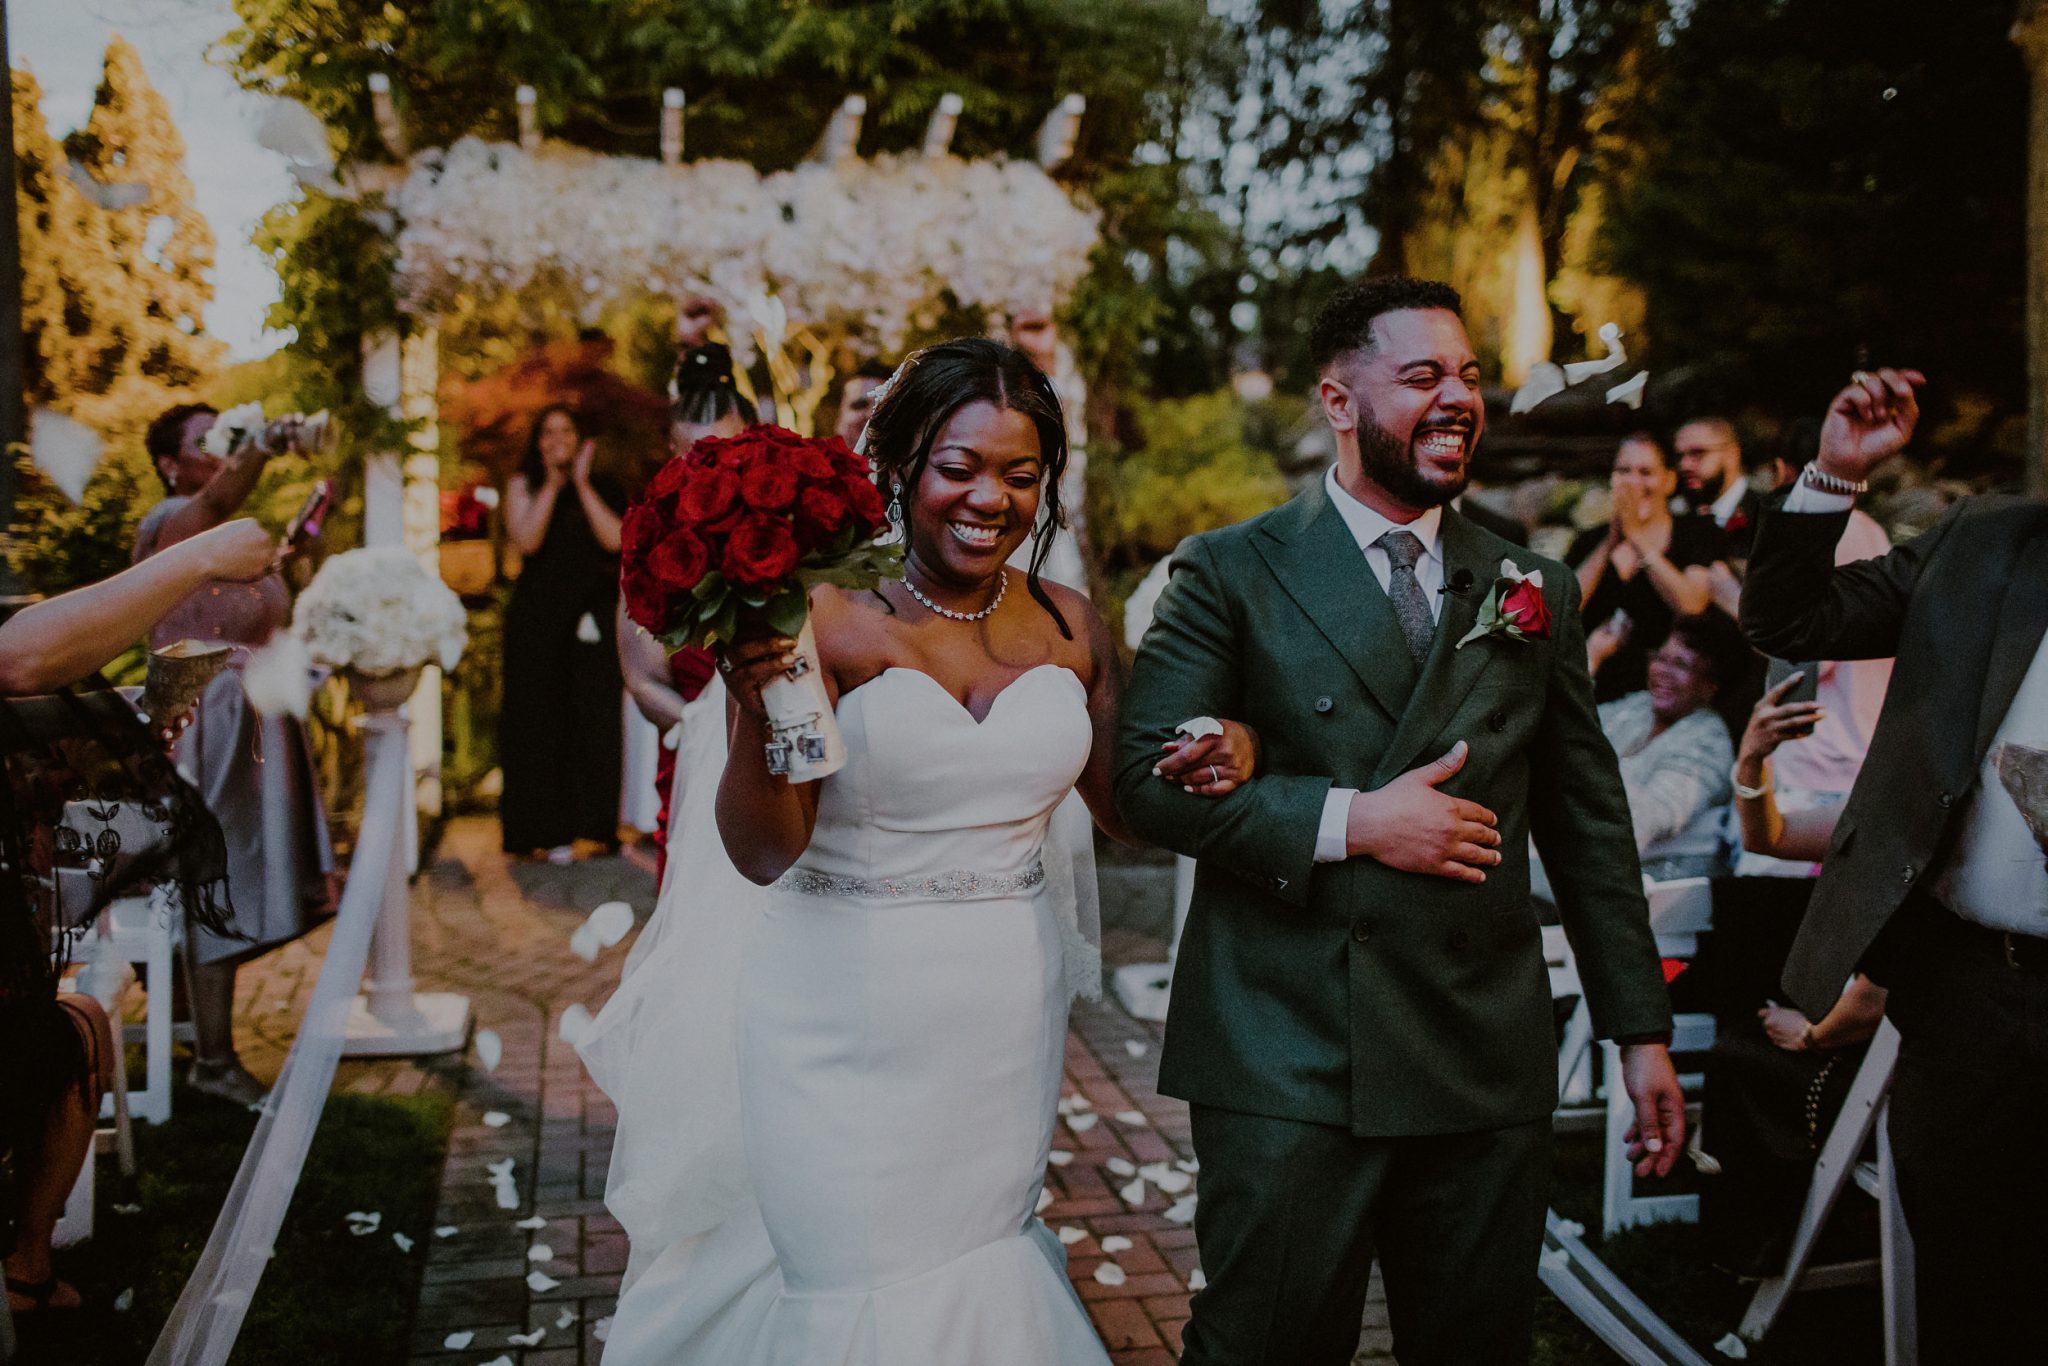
(1002, 586)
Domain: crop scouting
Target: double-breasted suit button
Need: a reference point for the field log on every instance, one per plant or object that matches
(1947, 799)
(1461, 939)
(1497, 722)
(1324, 705)
(1361, 931)
(1906, 873)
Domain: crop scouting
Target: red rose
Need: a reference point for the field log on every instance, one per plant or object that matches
(864, 500)
(678, 561)
(761, 551)
(638, 531)
(1522, 607)
(823, 508)
(813, 462)
(708, 494)
(668, 481)
(768, 484)
(646, 603)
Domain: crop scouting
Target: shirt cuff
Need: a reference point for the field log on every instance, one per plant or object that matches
(1331, 845)
(1806, 498)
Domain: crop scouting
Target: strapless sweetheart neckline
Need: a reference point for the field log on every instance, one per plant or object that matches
(964, 709)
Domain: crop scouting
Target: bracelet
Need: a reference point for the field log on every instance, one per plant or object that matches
(1812, 1042)
(1749, 794)
(1820, 481)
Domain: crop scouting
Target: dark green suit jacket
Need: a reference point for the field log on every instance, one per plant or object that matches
(1350, 993)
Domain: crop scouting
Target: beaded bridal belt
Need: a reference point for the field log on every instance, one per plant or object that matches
(957, 884)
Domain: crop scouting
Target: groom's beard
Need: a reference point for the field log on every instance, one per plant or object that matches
(1390, 462)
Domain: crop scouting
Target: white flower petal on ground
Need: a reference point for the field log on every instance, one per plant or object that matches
(1071, 1234)
(496, 1119)
(1136, 1048)
(1044, 1199)
(1198, 1279)
(585, 944)
(1109, 1273)
(526, 1339)
(455, 1342)
(1134, 1193)
(531, 1223)
(1121, 1166)
(1181, 1211)
(1116, 1242)
(124, 1301)
(489, 1049)
(1570, 1228)
(404, 1243)
(540, 1252)
(446, 1231)
(127, 1209)
(1131, 1119)
(502, 1167)
(1556, 1259)
(361, 1222)
(502, 1359)
(567, 1319)
(574, 1025)
(602, 1329)
(1732, 1347)
(1191, 1165)
(1168, 1179)
(1059, 1157)
(611, 921)
(1081, 1124)
(539, 1282)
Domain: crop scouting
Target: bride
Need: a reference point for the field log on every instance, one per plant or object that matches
(837, 1093)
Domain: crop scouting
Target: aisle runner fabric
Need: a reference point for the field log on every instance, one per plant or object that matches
(203, 1325)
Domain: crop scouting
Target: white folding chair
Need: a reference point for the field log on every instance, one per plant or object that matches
(1866, 1111)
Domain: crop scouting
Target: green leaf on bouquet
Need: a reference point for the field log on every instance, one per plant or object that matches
(786, 612)
(726, 625)
(712, 583)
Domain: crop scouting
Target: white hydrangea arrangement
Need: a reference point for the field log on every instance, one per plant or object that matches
(376, 611)
(867, 247)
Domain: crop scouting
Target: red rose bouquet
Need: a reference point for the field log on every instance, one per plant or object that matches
(729, 539)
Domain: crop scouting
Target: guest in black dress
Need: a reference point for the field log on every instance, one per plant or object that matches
(1646, 564)
(559, 735)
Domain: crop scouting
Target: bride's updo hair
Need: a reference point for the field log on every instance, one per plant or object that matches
(939, 381)
(702, 389)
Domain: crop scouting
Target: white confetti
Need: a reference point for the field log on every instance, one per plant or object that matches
(502, 1359)
(1075, 1104)
(1168, 1179)
(602, 1329)
(1116, 1242)
(1059, 1157)
(1630, 393)
(404, 1243)
(568, 1318)
(1109, 1273)
(1122, 1166)
(1136, 1049)
(127, 1209)
(455, 1342)
(1198, 1279)
(446, 1231)
(489, 1049)
(1556, 1259)
(531, 1223)
(502, 1167)
(1134, 1193)
(1181, 1211)
(496, 1119)
(507, 1193)
(574, 1025)
(362, 1222)
(1071, 1234)
(1733, 1347)
(1191, 1165)
(526, 1339)
(124, 1301)
(1081, 1124)
(540, 1252)
(1131, 1119)
(611, 921)
(1570, 1228)
(1044, 1199)
(539, 1282)
(586, 629)
(585, 944)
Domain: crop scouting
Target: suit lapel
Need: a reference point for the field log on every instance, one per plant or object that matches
(2022, 621)
(1449, 673)
(1311, 552)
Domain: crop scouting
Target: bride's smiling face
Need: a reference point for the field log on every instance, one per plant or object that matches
(977, 499)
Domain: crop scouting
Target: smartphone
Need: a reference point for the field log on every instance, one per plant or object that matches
(1807, 689)
(305, 525)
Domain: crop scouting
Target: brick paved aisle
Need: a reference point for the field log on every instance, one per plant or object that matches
(500, 934)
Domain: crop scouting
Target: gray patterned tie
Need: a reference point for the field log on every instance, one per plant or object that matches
(1411, 606)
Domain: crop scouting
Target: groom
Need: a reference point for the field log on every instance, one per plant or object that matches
(1361, 1016)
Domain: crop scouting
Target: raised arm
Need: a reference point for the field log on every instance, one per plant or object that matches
(604, 522)
(643, 663)
(57, 642)
(220, 499)
(1187, 666)
(528, 510)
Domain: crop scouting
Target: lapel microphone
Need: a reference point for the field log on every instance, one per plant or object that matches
(1460, 584)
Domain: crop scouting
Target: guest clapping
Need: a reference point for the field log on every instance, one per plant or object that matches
(1644, 562)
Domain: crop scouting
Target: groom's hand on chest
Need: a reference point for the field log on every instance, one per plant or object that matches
(1410, 825)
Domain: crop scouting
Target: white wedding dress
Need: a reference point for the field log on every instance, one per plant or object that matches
(836, 1101)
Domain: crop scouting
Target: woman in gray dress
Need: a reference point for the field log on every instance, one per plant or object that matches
(254, 772)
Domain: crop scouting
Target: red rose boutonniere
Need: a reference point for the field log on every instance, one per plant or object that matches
(1514, 608)
(1738, 522)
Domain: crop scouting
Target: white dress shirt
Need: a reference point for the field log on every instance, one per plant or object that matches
(1366, 527)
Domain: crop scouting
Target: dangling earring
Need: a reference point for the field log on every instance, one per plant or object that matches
(896, 506)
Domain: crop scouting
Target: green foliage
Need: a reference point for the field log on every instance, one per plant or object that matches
(57, 545)
(1205, 462)
(1812, 192)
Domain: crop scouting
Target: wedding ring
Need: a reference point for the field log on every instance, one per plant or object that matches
(1860, 377)
(1214, 776)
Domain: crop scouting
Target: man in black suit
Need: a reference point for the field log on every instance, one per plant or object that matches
(1936, 883)
(1711, 481)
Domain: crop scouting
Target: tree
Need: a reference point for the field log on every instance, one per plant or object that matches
(1812, 194)
(67, 266)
